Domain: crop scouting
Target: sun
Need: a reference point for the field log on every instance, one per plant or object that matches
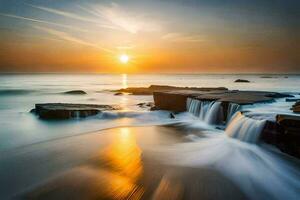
(124, 58)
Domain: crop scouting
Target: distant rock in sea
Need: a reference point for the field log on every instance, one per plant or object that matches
(76, 92)
(68, 110)
(241, 81)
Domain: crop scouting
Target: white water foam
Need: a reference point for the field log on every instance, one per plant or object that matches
(208, 111)
(245, 128)
(232, 109)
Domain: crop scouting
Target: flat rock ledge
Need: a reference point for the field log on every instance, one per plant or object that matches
(176, 100)
(159, 88)
(67, 110)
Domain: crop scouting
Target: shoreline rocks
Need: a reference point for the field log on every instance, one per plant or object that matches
(61, 111)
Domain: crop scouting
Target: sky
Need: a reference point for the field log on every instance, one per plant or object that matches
(158, 36)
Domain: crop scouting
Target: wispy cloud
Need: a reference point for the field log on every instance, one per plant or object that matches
(73, 16)
(42, 21)
(179, 37)
(67, 37)
(118, 17)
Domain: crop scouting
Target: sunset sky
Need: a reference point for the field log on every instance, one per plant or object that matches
(167, 36)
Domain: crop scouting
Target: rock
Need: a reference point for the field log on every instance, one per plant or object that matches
(241, 81)
(290, 139)
(146, 105)
(176, 100)
(291, 99)
(67, 111)
(119, 93)
(170, 101)
(296, 107)
(157, 88)
(172, 116)
(76, 92)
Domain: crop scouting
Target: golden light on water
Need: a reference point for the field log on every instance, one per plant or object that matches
(124, 81)
(123, 158)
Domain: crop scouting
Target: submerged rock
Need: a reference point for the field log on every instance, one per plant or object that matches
(67, 110)
(146, 105)
(77, 92)
(292, 100)
(119, 93)
(241, 81)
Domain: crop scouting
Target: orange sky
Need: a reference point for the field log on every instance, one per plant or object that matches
(159, 37)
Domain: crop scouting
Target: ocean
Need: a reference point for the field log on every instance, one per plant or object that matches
(21, 129)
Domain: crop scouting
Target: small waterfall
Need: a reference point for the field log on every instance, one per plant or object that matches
(232, 109)
(209, 111)
(245, 128)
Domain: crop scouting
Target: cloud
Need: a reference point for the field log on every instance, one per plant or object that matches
(73, 16)
(70, 38)
(179, 37)
(42, 21)
(118, 17)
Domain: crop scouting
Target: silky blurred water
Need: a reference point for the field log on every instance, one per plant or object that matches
(19, 93)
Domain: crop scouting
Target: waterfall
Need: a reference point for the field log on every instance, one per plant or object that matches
(245, 128)
(209, 111)
(232, 109)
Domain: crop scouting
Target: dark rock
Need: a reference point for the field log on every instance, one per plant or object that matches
(290, 139)
(67, 111)
(241, 81)
(157, 88)
(172, 116)
(76, 92)
(146, 105)
(119, 93)
(292, 99)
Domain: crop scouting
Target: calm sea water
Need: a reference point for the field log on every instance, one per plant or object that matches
(19, 94)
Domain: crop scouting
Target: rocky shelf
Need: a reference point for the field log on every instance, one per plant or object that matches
(284, 132)
(159, 88)
(176, 100)
(67, 110)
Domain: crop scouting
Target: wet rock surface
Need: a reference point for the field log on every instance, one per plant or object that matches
(68, 111)
(296, 107)
(290, 140)
(155, 88)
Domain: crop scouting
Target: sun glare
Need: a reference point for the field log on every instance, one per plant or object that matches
(124, 58)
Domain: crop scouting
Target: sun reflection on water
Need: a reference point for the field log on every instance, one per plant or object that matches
(124, 81)
(123, 158)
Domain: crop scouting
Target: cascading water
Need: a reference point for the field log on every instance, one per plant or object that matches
(245, 128)
(209, 111)
(232, 109)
